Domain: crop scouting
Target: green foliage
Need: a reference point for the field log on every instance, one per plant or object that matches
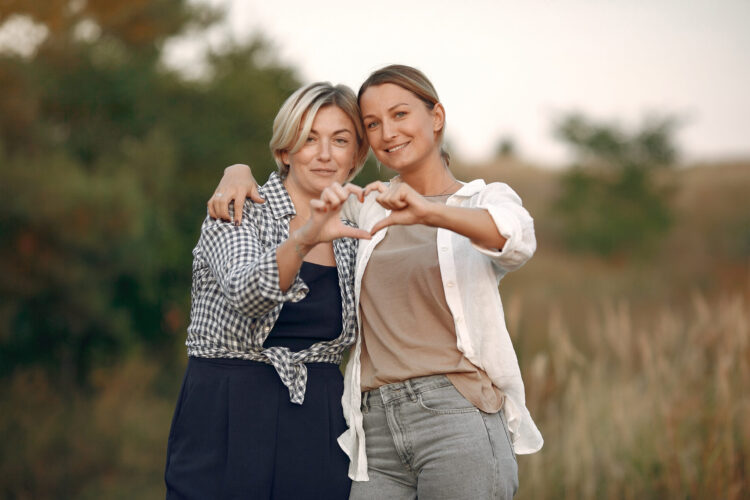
(610, 202)
(106, 160)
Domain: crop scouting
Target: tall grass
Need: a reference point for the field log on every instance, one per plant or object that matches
(660, 411)
(629, 408)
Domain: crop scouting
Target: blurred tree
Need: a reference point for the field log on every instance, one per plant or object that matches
(506, 147)
(610, 202)
(106, 160)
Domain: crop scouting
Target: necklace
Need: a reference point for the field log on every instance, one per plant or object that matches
(444, 191)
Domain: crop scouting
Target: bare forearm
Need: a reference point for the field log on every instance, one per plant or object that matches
(474, 223)
(289, 257)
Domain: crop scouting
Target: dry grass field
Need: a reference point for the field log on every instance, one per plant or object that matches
(637, 372)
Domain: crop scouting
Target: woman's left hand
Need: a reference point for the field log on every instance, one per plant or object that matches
(406, 205)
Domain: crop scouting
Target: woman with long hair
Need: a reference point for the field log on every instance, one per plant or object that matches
(433, 397)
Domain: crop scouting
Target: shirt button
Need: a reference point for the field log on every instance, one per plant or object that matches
(443, 249)
(450, 284)
(266, 329)
(299, 295)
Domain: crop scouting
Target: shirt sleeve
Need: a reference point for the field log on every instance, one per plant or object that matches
(513, 222)
(247, 273)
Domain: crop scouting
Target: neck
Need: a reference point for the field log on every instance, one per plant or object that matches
(300, 200)
(430, 178)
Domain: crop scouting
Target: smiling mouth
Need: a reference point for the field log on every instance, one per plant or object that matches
(397, 148)
(323, 171)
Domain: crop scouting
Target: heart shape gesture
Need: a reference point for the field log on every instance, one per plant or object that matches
(325, 222)
(407, 206)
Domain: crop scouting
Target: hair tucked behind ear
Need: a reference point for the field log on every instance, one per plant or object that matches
(415, 82)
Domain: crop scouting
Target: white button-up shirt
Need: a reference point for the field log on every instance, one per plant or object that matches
(470, 275)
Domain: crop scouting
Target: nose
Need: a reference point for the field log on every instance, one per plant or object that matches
(324, 151)
(388, 131)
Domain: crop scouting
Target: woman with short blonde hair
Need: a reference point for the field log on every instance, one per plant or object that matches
(272, 313)
(294, 120)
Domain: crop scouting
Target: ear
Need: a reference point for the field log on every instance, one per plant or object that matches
(438, 117)
(285, 157)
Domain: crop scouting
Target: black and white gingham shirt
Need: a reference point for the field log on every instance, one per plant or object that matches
(236, 298)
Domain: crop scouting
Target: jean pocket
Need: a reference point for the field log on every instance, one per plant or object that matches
(444, 401)
(506, 430)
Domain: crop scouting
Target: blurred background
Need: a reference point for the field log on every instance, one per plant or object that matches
(624, 128)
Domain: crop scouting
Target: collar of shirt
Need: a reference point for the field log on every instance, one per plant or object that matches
(277, 197)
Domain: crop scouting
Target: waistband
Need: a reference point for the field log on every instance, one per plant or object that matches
(248, 363)
(408, 389)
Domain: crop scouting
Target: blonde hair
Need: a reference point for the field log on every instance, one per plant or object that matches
(414, 81)
(295, 118)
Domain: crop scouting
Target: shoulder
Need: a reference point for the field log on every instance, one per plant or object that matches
(494, 192)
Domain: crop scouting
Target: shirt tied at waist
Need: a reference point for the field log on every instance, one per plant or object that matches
(291, 369)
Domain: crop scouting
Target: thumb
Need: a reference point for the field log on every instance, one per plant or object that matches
(351, 232)
(383, 223)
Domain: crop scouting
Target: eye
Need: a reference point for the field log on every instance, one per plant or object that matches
(341, 141)
(310, 139)
(372, 125)
(400, 114)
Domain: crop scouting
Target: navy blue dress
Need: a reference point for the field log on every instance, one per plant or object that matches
(235, 434)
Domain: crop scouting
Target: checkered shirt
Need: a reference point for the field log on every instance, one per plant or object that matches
(236, 298)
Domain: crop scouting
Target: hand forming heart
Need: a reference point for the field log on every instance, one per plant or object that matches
(406, 205)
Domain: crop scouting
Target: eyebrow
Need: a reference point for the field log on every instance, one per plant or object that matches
(340, 131)
(389, 109)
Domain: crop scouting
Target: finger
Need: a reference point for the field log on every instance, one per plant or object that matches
(254, 194)
(239, 202)
(340, 191)
(355, 190)
(383, 223)
(223, 203)
(390, 202)
(375, 186)
(352, 232)
(330, 197)
(319, 205)
(218, 207)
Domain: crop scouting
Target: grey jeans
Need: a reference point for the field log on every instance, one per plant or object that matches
(424, 440)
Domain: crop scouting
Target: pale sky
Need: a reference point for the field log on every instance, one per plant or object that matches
(509, 68)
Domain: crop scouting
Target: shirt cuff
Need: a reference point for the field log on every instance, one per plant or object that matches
(507, 226)
(268, 284)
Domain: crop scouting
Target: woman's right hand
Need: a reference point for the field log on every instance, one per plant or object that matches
(237, 184)
(325, 223)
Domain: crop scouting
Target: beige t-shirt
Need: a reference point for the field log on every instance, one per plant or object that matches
(407, 327)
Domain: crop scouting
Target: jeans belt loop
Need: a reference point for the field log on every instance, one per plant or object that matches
(410, 390)
(365, 400)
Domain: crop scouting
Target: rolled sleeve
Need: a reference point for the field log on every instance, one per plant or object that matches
(513, 222)
(247, 274)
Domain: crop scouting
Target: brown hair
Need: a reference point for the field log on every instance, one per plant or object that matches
(414, 81)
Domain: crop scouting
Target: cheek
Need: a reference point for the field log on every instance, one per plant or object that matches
(372, 136)
(302, 156)
(345, 156)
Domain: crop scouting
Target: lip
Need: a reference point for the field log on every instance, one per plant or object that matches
(397, 148)
(324, 171)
